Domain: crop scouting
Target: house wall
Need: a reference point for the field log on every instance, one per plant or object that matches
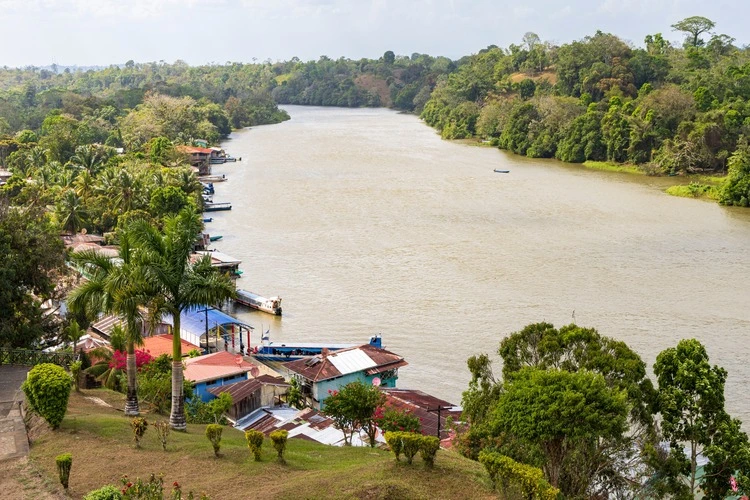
(201, 389)
(320, 389)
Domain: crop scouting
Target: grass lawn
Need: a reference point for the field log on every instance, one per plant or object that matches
(613, 167)
(101, 442)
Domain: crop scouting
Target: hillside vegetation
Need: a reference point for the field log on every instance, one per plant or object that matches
(101, 442)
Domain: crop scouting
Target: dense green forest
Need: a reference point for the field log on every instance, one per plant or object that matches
(669, 110)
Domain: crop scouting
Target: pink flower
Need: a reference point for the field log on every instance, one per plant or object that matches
(733, 483)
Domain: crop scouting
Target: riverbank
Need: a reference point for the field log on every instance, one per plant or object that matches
(699, 186)
(101, 441)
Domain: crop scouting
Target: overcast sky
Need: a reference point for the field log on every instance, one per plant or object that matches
(102, 32)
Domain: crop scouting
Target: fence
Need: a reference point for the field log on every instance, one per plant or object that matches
(30, 358)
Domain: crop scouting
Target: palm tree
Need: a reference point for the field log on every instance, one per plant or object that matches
(114, 286)
(164, 259)
(71, 212)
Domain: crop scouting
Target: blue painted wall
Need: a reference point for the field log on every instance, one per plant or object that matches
(201, 389)
(320, 389)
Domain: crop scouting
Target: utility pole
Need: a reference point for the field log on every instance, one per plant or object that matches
(438, 410)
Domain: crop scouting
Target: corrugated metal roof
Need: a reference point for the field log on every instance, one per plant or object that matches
(351, 361)
(325, 369)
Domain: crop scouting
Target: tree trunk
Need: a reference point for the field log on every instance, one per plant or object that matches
(131, 404)
(177, 416)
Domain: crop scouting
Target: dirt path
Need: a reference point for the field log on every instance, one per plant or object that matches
(20, 480)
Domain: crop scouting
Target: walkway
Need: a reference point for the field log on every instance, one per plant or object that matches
(13, 439)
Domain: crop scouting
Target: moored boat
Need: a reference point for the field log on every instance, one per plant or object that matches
(250, 299)
(277, 351)
(214, 238)
(215, 207)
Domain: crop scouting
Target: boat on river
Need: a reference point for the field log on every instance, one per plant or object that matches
(215, 238)
(290, 351)
(216, 207)
(502, 171)
(255, 301)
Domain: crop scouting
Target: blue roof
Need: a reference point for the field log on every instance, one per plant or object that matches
(194, 320)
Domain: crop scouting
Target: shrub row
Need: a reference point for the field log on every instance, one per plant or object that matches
(513, 478)
(409, 443)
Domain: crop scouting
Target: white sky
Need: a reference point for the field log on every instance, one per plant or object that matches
(102, 32)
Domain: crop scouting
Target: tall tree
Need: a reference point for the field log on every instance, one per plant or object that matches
(33, 258)
(691, 403)
(114, 286)
(178, 284)
(556, 410)
(694, 27)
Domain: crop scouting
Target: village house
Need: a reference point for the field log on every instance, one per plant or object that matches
(251, 394)
(432, 412)
(331, 371)
(198, 157)
(217, 369)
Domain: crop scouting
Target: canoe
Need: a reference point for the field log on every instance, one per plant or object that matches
(502, 171)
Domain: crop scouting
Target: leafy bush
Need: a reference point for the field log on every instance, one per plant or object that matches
(254, 442)
(64, 462)
(108, 492)
(389, 418)
(139, 425)
(155, 385)
(411, 443)
(47, 390)
(428, 448)
(394, 442)
(213, 433)
(514, 477)
(279, 438)
(153, 489)
(75, 372)
(162, 432)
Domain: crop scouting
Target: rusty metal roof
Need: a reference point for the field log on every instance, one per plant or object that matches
(418, 403)
(245, 388)
(324, 368)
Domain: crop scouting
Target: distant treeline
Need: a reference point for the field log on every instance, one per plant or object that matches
(107, 106)
(669, 110)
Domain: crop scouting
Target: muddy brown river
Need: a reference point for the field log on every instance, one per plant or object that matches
(364, 221)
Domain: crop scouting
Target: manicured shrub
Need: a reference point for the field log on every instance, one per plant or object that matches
(279, 438)
(394, 442)
(47, 390)
(428, 448)
(162, 432)
(410, 443)
(254, 442)
(515, 479)
(64, 462)
(213, 433)
(108, 492)
(139, 425)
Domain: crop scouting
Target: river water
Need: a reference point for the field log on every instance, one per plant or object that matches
(364, 221)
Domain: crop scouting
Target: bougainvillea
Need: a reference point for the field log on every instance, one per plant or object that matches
(119, 359)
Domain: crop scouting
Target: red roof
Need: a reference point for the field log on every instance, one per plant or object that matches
(162, 344)
(217, 365)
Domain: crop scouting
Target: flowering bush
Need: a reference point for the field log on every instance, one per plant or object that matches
(392, 419)
(119, 359)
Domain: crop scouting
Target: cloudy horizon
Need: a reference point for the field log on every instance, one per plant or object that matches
(104, 32)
